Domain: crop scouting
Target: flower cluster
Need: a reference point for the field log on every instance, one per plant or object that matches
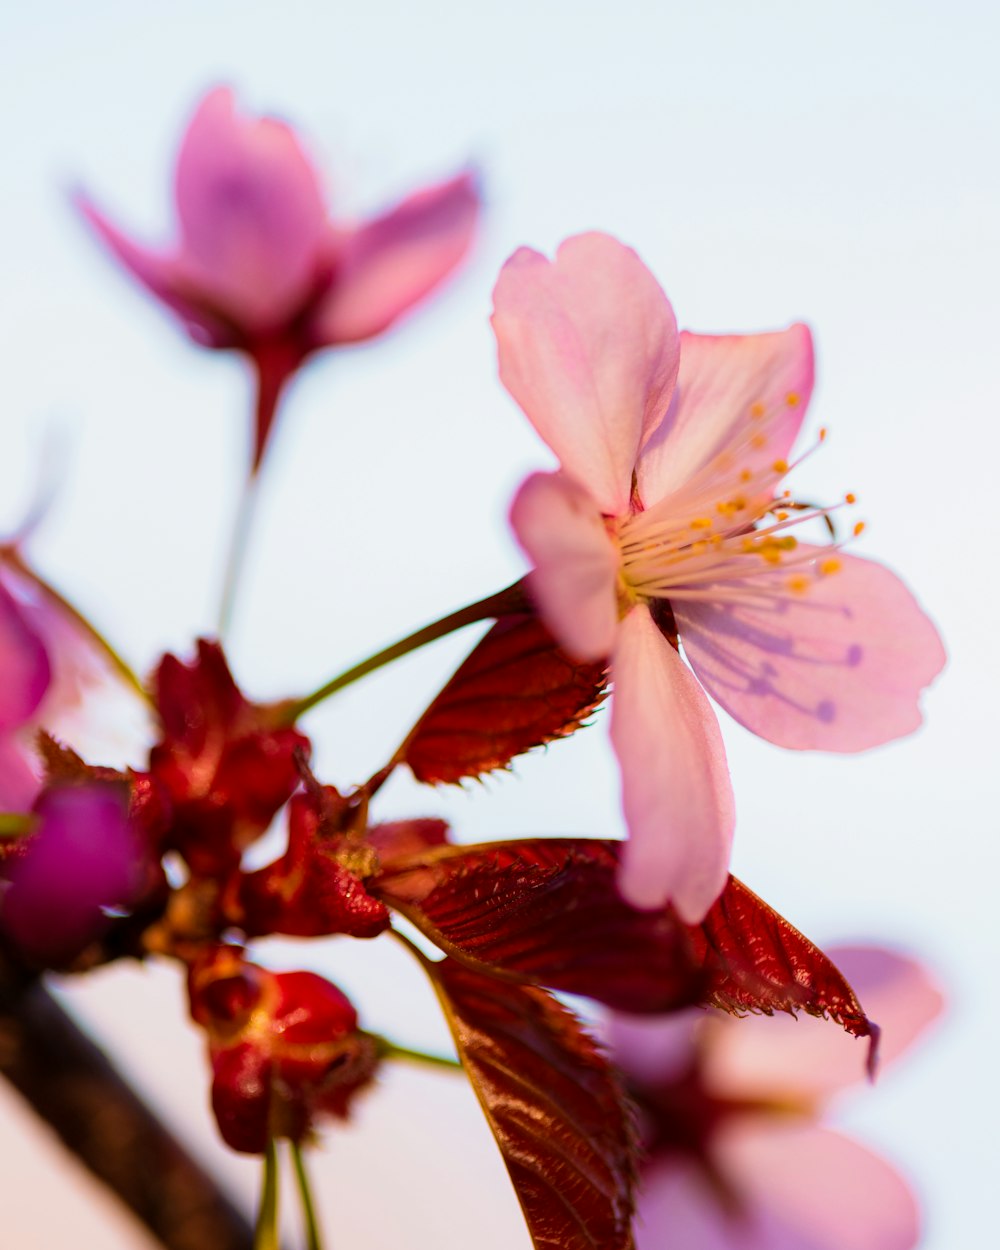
(669, 564)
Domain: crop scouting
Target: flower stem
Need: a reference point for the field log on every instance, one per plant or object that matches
(389, 1050)
(509, 600)
(313, 1240)
(12, 557)
(239, 543)
(265, 1235)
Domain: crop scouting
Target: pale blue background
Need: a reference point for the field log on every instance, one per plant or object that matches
(832, 162)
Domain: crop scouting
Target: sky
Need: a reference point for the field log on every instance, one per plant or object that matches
(834, 163)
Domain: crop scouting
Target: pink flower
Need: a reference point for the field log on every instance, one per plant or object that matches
(736, 1158)
(83, 858)
(261, 268)
(666, 520)
(25, 676)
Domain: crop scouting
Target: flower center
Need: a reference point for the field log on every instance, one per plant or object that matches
(726, 536)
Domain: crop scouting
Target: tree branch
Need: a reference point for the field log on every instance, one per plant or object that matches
(70, 1083)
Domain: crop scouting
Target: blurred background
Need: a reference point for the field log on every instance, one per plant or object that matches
(831, 163)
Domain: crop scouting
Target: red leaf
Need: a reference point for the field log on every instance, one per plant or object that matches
(547, 911)
(756, 961)
(516, 690)
(555, 1106)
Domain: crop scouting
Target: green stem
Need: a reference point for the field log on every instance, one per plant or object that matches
(12, 557)
(239, 544)
(389, 1050)
(313, 1240)
(265, 1235)
(511, 599)
(14, 825)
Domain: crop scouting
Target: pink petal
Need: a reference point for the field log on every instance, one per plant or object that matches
(253, 223)
(676, 791)
(83, 858)
(839, 667)
(576, 563)
(162, 276)
(653, 1050)
(733, 391)
(807, 1060)
(678, 1210)
(811, 1189)
(25, 672)
(18, 781)
(588, 347)
(391, 263)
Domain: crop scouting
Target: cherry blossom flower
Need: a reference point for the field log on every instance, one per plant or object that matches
(260, 267)
(668, 522)
(735, 1156)
(83, 858)
(25, 676)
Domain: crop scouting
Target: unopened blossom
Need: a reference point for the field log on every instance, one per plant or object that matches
(730, 1111)
(668, 530)
(258, 264)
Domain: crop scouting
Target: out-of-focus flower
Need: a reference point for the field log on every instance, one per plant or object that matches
(667, 520)
(284, 1047)
(25, 675)
(82, 859)
(729, 1110)
(260, 267)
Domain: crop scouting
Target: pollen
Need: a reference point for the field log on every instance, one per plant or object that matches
(780, 466)
(701, 523)
(798, 584)
(859, 529)
(758, 441)
(745, 475)
(850, 497)
(793, 399)
(826, 567)
(823, 433)
(757, 410)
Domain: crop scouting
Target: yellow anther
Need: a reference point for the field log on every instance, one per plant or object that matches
(758, 441)
(745, 475)
(782, 516)
(826, 567)
(822, 434)
(798, 585)
(780, 466)
(699, 548)
(792, 399)
(701, 523)
(850, 497)
(859, 528)
(757, 410)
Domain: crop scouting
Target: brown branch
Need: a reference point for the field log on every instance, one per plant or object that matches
(70, 1083)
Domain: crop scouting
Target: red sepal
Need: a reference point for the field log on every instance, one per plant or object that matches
(554, 1103)
(317, 887)
(227, 765)
(284, 1047)
(516, 690)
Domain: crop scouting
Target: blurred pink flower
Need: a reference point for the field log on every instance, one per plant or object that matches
(736, 1158)
(82, 859)
(666, 520)
(260, 267)
(25, 676)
